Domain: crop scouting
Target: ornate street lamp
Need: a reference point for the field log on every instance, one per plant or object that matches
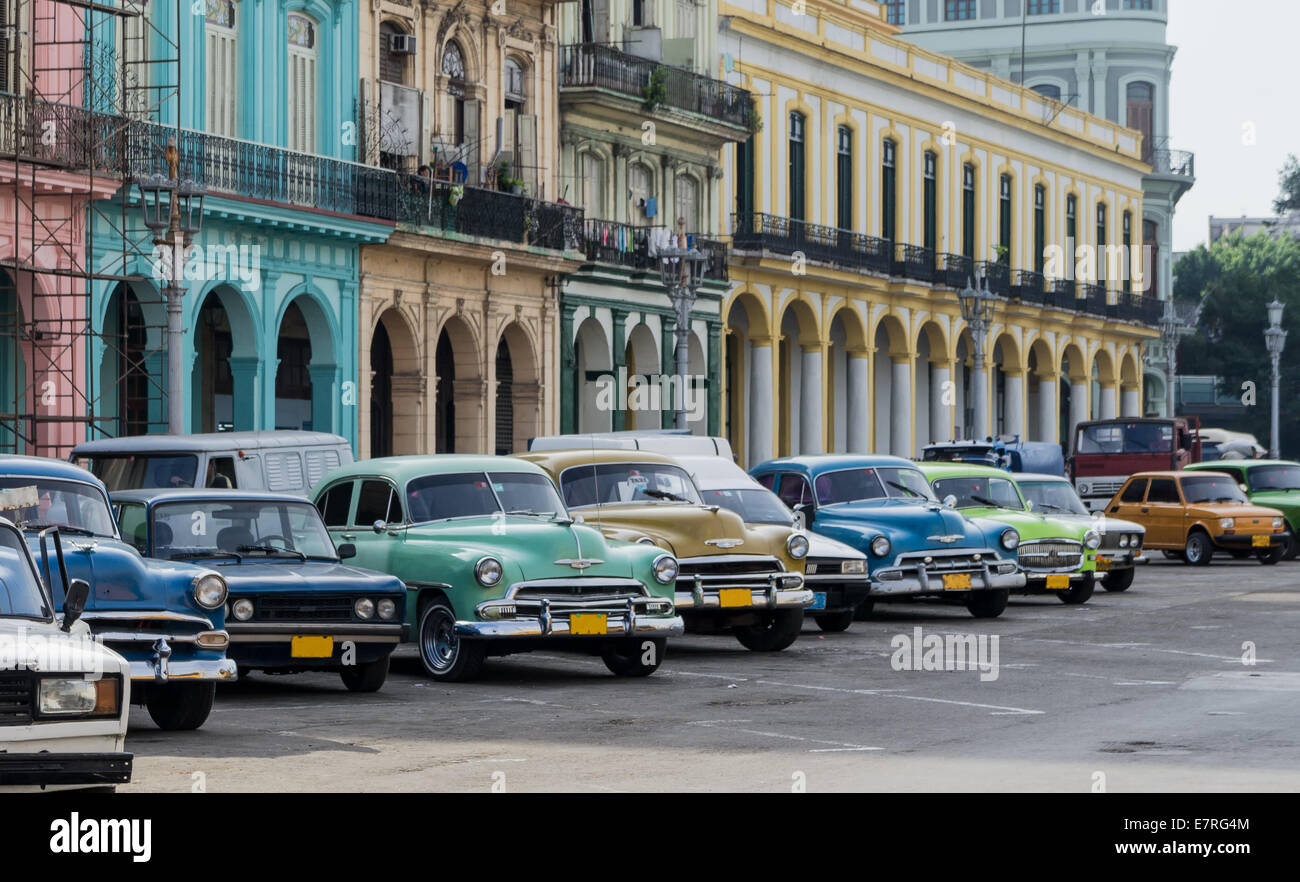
(172, 209)
(977, 310)
(1275, 340)
(682, 271)
(1171, 330)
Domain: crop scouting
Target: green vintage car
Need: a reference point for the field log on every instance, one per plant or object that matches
(494, 564)
(1058, 556)
(1272, 483)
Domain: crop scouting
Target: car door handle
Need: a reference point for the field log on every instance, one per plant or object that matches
(348, 536)
(1145, 510)
(1114, 508)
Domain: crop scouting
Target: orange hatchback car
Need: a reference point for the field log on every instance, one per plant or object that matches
(1191, 515)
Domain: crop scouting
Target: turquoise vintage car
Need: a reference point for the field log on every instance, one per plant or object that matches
(494, 564)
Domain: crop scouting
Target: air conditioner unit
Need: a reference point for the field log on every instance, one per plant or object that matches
(401, 44)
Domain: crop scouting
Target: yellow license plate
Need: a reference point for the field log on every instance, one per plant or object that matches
(311, 647)
(1259, 541)
(956, 582)
(735, 597)
(1058, 582)
(1103, 564)
(588, 623)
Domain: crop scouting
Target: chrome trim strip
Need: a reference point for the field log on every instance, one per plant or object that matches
(149, 615)
(198, 669)
(546, 627)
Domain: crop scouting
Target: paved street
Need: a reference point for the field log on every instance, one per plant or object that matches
(1147, 688)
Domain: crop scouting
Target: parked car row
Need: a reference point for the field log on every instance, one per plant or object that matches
(608, 545)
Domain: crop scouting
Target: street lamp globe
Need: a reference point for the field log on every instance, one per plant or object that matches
(1275, 314)
(156, 194)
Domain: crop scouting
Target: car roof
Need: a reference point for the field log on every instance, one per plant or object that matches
(1238, 463)
(43, 467)
(1038, 476)
(559, 460)
(941, 469)
(154, 495)
(405, 468)
(163, 443)
(1166, 473)
(831, 461)
(667, 441)
(716, 473)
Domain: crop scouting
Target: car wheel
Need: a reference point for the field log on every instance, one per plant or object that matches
(368, 677)
(1119, 580)
(834, 623)
(1292, 547)
(988, 604)
(774, 633)
(1198, 551)
(634, 658)
(863, 612)
(1270, 556)
(178, 707)
(444, 655)
(1080, 593)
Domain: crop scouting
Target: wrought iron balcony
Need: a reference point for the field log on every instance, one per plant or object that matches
(996, 275)
(1064, 294)
(954, 271)
(1092, 298)
(629, 246)
(59, 135)
(914, 262)
(1164, 161)
(1136, 308)
(1028, 286)
(487, 214)
(841, 248)
(601, 66)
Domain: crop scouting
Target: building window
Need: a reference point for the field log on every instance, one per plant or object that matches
(643, 13)
(1044, 7)
(1125, 270)
(453, 67)
(1071, 215)
(930, 202)
(796, 165)
(1141, 99)
(1150, 247)
(1004, 220)
(686, 19)
(1101, 243)
(959, 10)
(302, 83)
(968, 211)
(745, 179)
(895, 11)
(888, 190)
(688, 203)
(593, 185)
(1040, 227)
(844, 178)
(392, 65)
(1137, 4)
(1047, 90)
(221, 42)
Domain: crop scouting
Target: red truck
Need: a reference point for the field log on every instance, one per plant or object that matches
(1107, 452)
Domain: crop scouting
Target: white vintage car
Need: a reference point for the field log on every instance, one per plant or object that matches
(63, 696)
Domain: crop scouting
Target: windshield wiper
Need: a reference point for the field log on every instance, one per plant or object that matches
(904, 488)
(270, 549)
(664, 494)
(1056, 507)
(528, 512)
(989, 502)
(62, 528)
(214, 552)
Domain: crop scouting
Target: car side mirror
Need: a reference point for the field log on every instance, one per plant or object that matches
(804, 514)
(950, 501)
(1029, 505)
(378, 527)
(74, 601)
(347, 550)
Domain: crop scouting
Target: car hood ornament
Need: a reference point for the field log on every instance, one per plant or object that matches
(948, 539)
(724, 543)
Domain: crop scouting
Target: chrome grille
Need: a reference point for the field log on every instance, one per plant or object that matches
(1051, 555)
(947, 563)
(727, 571)
(310, 608)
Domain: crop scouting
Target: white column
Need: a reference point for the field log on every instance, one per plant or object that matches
(1108, 403)
(940, 410)
(1131, 402)
(980, 389)
(859, 400)
(761, 400)
(900, 416)
(1048, 422)
(1014, 420)
(810, 401)
(1078, 402)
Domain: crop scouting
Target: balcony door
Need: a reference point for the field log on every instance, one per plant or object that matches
(1141, 99)
(303, 55)
(221, 78)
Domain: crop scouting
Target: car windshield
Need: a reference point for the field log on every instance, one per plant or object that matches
(1126, 438)
(756, 505)
(636, 482)
(849, 485)
(21, 595)
(978, 491)
(1211, 488)
(478, 494)
(1053, 497)
(227, 527)
(143, 470)
(34, 503)
(1279, 477)
(906, 483)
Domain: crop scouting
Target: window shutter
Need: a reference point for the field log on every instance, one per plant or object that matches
(472, 146)
(600, 21)
(528, 152)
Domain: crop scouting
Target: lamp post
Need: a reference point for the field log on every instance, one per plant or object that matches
(1171, 329)
(977, 310)
(1275, 340)
(172, 209)
(682, 270)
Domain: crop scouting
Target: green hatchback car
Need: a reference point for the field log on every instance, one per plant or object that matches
(494, 564)
(1057, 556)
(1272, 483)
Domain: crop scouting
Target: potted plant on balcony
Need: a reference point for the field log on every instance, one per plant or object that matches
(655, 92)
(506, 182)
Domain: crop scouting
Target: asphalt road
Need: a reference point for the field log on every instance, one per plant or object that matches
(1145, 690)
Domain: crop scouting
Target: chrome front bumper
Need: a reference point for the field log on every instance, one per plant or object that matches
(161, 669)
(271, 632)
(635, 626)
(630, 610)
(917, 580)
(1118, 560)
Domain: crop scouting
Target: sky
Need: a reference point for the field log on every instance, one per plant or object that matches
(1235, 74)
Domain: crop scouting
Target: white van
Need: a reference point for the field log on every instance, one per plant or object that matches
(670, 442)
(278, 461)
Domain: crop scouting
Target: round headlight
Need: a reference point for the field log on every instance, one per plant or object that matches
(387, 609)
(1092, 539)
(1123, 541)
(364, 608)
(1135, 540)
(488, 571)
(1277, 522)
(1227, 523)
(1010, 539)
(665, 569)
(242, 609)
(880, 546)
(797, 545)
(1083, 489)
(209, 590)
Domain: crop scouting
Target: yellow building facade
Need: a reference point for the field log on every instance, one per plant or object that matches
(883, 179)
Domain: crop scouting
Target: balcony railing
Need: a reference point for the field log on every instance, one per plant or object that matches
(914, 262)
(597, 65)
(1028, 286)
(841, 248)
(954, 271)
(1164, 161)
(629, 246)
(996, 276)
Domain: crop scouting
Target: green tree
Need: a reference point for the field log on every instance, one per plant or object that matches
(1289, 184)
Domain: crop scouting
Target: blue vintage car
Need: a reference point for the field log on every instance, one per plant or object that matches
(915, 547)
(294, 605)
(167, 618)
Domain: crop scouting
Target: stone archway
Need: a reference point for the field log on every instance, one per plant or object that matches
(592, 356)
(307, 386)
(397, 388)
(517, 401)
(1044, 392)
(893, 388)
(848, 368)
(938, 421)
(227, 364)
(799, 381)
(459, 400)
(642, 360)
(748, 370)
